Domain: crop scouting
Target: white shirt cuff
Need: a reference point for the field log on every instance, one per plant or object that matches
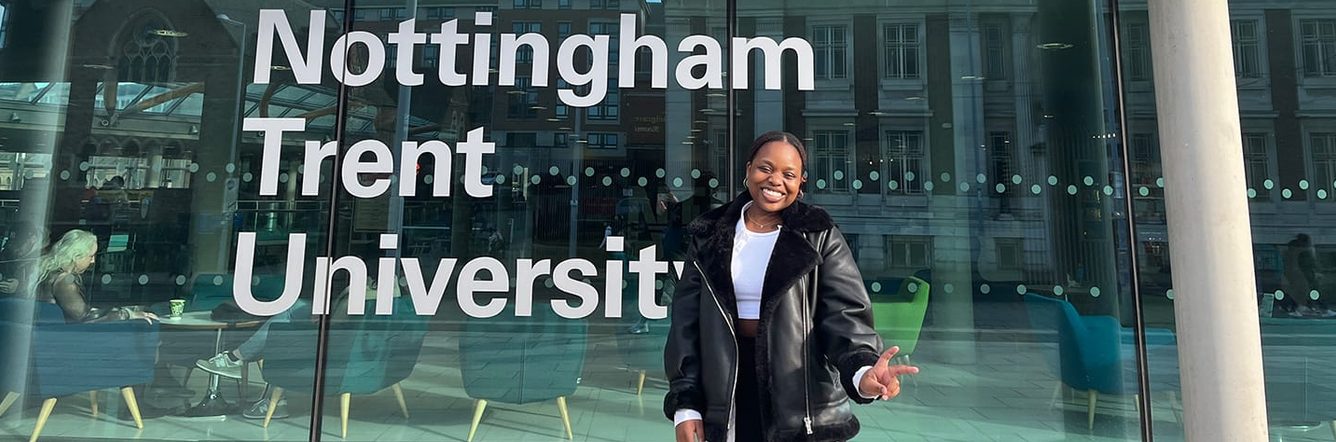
(858, 381)
(685, 414)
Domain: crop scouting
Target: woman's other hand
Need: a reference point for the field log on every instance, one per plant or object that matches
(690, 431)
(9, 286)
(883, 380)
(146, 316)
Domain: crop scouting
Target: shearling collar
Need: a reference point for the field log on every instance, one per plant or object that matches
(793, 256)
(799, 216)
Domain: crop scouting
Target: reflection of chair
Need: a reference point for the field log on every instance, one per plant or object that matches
(899, 318)
(522, 360)
(367, 354)
(1090, 350)
(77, 358)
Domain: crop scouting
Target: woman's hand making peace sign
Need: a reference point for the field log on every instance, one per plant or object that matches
(883, 380)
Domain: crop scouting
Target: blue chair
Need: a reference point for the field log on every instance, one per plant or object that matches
(1094, 352)
(642, 350)
(15, 336)
(367, 354)
(521, 360)
(66, 359)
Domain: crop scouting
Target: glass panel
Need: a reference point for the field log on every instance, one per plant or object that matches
(566, 180)
(129, 188)
(1290, 166)
(983, 206)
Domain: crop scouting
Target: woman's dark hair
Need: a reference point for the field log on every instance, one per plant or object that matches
(779, 135)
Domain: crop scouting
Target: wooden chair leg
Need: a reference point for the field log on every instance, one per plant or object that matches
(478, 408)
(565, 416)
(640, 384)
(273, 403)
(399, 396)
(47, 406)
(128, 394)
(92, 403)
(1136, 402)
(10, 397)
(1057, 394)
(345, 400)
(1090, 409)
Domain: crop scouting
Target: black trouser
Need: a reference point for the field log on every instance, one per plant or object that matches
(747, 402)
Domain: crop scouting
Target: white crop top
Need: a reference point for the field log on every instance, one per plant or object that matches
(751, 256)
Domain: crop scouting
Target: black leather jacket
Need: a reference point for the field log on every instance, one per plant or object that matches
(815, 329)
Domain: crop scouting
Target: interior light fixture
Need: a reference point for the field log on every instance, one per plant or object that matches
(1054, 46)
(169, 33)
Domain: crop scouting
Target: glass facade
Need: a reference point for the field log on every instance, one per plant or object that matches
(442, 208)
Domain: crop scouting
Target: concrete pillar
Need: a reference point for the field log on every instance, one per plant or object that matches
(1219, 345)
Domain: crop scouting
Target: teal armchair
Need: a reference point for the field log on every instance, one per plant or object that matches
(522, 360)
(367, 354)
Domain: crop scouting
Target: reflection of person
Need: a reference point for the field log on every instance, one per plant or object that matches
(757, 347)
(18, 260)
(60, 280)
(1301, 279)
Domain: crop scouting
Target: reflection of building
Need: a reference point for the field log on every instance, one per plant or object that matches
(1284, 67)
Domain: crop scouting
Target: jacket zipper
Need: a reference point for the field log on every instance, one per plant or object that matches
(732, 391)
(807, 331)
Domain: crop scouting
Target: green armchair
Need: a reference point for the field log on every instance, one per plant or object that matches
(898, 318)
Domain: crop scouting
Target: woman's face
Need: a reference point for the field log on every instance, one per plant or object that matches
(83, 263)
(774, 176)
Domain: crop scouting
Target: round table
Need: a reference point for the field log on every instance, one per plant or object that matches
(212, 405)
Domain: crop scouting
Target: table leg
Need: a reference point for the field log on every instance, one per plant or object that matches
(213, 405)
